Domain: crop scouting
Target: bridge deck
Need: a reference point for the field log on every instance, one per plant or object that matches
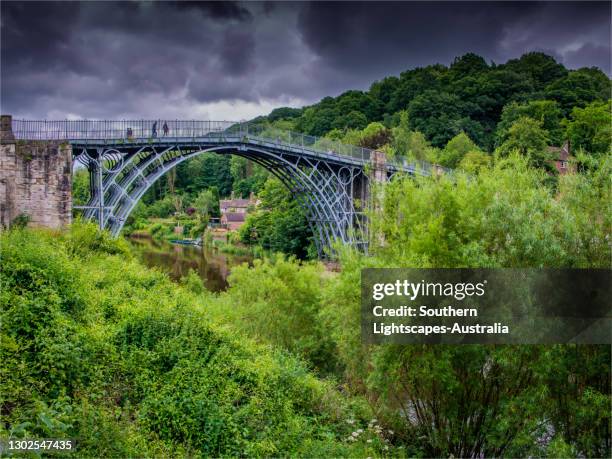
(137, 133)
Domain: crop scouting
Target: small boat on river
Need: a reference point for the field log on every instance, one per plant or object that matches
(197, 241)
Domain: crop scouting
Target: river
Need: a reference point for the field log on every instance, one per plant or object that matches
(212, 265)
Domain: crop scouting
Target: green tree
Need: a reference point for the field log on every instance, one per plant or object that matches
(207, 203)
(468, 64)
(469, 96)
(383, 91)
(400, 134)
(441, 116)
(205, 171)
(375, 136)
(317, 120)
(353, 120)
(474, 161)
(504, 216)
(133, 365)
(579, 88)
(527, 137)
(541, 68)
(589, 128)
(489, 93)
(284, 113)
(247, 176)
(411, 144)
(546, 112)
(456, 149)
(358, 101)
(278, 301)
(413, 83)
(279, 224)
(418, 147)
(80, 187)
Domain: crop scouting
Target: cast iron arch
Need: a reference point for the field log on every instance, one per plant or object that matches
(326, 191)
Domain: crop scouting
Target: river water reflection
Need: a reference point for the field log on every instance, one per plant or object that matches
(212, 265)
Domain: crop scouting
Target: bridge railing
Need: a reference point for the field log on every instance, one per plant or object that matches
(152, 130)
(114, 130)
(418, 166)
(192, 130)
(299, 140)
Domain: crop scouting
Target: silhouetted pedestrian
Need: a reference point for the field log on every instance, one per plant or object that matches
(154, 130)
(165, 128)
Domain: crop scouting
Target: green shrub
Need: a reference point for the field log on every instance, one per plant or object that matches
(504, 217)
(99, 348)
(278, 301)
(20, 221)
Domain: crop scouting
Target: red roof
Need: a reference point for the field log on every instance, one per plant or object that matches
(234, 216)
(560, 153)
(237, 203)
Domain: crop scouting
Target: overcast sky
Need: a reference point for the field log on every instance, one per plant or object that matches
(233, 61)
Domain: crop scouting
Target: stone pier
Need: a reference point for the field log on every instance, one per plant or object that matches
(379, 166)
(35, 180)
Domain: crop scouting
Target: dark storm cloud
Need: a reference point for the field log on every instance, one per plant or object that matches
(237, 52)
(375, 39)
(99, 52)
(218, 10)
(184, 59)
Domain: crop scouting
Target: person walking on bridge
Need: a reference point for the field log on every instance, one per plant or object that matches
(154, 130)
(165, 128)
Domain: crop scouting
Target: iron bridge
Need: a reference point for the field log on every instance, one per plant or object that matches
(329, 179)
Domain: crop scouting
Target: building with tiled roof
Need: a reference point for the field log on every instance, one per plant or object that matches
(233, 220)
(234, 211)
(234, 205)
(562, 158)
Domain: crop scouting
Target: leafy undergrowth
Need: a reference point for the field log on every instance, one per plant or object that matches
(98, 348)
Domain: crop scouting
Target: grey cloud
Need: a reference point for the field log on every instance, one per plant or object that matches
(238, 52)
(589, 55)
(216, 10)
(563, 29)
(377, 39)
(394, 36)
(108, 59)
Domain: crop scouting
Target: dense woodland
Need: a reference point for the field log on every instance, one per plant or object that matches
(275, 366)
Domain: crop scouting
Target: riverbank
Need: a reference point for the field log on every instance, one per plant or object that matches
(172, 229)
(156, 238)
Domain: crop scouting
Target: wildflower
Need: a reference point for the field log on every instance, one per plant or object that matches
(369, 440)
(391, 432)
(350, 421)
(355, 434)
(359, 430)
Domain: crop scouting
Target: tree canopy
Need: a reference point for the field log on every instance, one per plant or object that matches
(469, 95)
